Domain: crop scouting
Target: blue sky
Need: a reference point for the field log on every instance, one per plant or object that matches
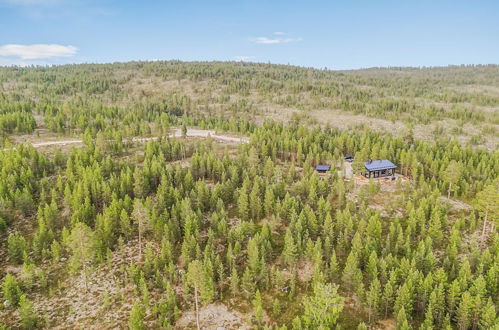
(332, 34)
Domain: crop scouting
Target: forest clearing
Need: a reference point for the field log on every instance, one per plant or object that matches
(177, 132)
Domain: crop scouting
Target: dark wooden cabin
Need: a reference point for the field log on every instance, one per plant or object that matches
(379, 168)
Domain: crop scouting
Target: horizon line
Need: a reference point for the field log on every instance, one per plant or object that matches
(325, 68)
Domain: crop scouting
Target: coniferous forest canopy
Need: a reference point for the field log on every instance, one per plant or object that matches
(184, 195)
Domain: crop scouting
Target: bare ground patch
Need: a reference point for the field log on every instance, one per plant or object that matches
(387, 199)
(214, 317)
(455, 204)
(388, 324)
(343, 120)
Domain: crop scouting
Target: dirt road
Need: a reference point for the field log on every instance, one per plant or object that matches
(191, 132)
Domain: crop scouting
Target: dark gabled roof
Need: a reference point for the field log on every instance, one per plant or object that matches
(323, 167)
(379, 165)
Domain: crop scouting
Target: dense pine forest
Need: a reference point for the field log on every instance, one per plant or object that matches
(160, 195)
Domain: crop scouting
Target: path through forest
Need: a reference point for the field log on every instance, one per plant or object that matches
(191, 132)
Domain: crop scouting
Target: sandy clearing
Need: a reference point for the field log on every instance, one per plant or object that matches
(204, 133)
(191, 132)
(52, 143)
(214, 317)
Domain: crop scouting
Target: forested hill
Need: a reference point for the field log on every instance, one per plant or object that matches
(461, 102)
(185, 195)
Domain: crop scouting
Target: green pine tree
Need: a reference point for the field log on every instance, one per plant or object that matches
(137, 314)
(323, 308)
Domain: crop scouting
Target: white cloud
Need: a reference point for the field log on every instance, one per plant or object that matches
(273, 41)
(37, 51)
(243, 58)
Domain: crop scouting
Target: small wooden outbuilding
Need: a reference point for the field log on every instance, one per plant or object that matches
(322, 168)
